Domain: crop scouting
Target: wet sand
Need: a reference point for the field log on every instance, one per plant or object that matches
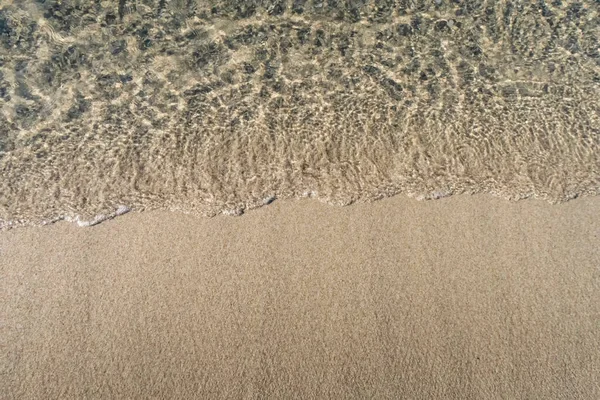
(463, 297)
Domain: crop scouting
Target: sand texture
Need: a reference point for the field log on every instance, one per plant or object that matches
(468, 297)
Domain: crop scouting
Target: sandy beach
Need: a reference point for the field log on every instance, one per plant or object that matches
(229, 157)
(470, 297)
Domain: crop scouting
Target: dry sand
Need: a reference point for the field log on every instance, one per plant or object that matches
(464, 297)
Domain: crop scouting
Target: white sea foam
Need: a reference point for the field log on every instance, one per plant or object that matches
(99, 218)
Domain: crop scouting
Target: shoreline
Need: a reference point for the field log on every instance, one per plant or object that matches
(83, 222)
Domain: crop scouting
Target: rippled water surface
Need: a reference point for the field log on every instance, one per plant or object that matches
(221, 106)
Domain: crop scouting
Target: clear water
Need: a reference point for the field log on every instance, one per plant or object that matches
(221, 106)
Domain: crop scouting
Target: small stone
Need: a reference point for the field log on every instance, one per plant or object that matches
(441, 25)
(269, 200)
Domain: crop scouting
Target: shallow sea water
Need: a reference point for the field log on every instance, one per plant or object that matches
(222, 106)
